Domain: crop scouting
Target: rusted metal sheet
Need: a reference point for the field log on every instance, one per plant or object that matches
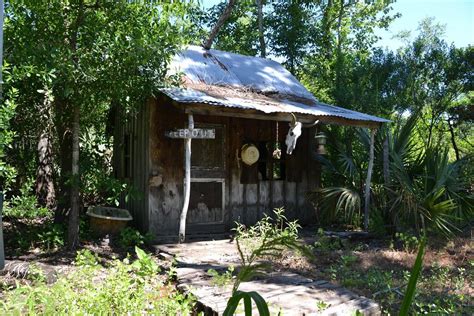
(188, 95)
(215, 67)
(231, 80)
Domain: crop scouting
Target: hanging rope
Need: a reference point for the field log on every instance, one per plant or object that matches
(276, 154)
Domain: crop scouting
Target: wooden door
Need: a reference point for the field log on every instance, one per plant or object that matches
(206, 205)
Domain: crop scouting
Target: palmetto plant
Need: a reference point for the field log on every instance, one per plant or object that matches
(424, 187)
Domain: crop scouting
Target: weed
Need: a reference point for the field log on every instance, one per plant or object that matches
(52, 238)
(85, 258)
(36, 274)
(348, 260)
(130, 237)
(221, 279)
(123, 288)
(268, 238)
(321, 305)
(409, 242)
(327, 243)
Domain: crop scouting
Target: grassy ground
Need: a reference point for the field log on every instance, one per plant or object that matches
(106, 276)
(379, 269)
(376, 268)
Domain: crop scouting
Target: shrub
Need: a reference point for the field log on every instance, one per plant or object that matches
(52, 238)
(130, 237)
(123, 288)
(25, 205)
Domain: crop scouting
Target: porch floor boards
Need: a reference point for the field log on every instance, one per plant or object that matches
(285, 292)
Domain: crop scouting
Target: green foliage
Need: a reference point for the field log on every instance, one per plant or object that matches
(327, 243)
(339, 202)
(25, 205)
(321, 305)
(121, 288)
(52, 238)
(7, 133)
(409, 243)
(36, 274)
(269, 237)
(348, 260)
(78, 64)
(223, 279)
(130, 237)
(86, 258)
(238, 34)
(25, 235)
(247, 297)
(426, 185)
(415, 273)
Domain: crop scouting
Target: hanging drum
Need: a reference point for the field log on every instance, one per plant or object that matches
(249, 154)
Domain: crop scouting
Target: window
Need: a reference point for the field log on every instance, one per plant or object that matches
(271, 164)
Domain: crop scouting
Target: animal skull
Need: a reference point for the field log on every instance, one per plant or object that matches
(293, 133)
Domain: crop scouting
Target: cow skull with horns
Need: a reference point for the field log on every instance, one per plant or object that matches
(294, 132)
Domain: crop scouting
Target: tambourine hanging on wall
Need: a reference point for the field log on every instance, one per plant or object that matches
(249, 154)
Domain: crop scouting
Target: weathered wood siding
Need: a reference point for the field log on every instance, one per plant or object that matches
(244, 202)
(137, 127)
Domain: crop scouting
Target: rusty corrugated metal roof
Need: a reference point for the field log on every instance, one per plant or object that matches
(188, 95)
(215, 67)
(231, 80)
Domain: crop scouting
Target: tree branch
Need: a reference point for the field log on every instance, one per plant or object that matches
(225, 15)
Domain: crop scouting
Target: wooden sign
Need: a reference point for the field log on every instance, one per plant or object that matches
(199, 133)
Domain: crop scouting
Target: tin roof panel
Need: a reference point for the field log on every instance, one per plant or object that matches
(187, 95)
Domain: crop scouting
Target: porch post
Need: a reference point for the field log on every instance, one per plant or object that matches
(369, 177)
(187, 180)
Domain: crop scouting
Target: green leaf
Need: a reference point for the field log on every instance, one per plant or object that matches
(415, 273)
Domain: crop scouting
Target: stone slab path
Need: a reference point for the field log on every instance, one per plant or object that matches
(286, 293)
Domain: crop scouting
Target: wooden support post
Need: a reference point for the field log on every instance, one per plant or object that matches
(369, 177)
(187, 180)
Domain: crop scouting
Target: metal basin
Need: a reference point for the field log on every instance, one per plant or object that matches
(108, 220)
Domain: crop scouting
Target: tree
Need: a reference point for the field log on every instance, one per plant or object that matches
(290, 28)
(239, 32)
(99, 53)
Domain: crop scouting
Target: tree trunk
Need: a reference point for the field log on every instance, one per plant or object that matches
(63, 120)
(339, 56)
(326, 30)
(44, 174)
(453, 139)
(73, 224)
(44, 187)
(261, 35)
(187, 181)
(225, 15)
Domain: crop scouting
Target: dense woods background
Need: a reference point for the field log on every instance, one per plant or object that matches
(70, 65)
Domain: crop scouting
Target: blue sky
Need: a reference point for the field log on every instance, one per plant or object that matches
(456, 15)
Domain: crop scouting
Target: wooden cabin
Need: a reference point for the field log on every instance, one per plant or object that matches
(244, 102)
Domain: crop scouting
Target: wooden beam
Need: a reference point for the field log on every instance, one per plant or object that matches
(369, 177)
(187, 181)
